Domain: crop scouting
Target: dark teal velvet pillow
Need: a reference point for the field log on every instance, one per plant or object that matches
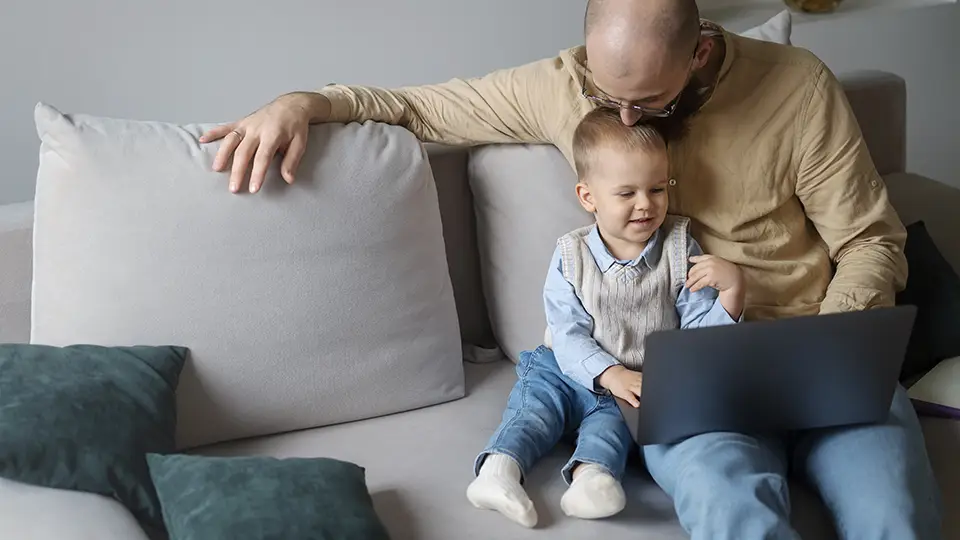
(933, 286)
(83, 418)
(263, 498)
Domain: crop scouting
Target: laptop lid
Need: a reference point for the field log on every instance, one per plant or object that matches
(783, 375)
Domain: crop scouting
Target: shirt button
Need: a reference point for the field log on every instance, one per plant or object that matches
(673, 181)
(873, 183)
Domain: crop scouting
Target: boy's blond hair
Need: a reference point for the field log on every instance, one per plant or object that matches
(603, 127)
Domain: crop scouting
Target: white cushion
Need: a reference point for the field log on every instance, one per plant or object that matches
(940, 388)
(777, 30)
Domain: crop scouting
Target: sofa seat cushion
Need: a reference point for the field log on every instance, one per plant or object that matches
(38, 513)
(419, 464)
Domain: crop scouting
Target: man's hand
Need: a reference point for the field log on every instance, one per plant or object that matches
(281, 126)
(722, 275)
(623, 383)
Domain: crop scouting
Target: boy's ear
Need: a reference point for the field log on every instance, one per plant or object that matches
(585, 198)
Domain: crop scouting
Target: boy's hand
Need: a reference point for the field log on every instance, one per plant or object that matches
(711, 271)
(722, 275)
(623, 383)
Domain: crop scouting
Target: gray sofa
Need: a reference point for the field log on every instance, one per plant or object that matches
(419, 462)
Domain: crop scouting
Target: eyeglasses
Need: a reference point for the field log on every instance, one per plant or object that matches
(613, 104)
(609, 103)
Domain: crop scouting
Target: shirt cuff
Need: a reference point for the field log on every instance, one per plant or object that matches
(340, 99)
(839, 304)
(718, 316)
(593, 366)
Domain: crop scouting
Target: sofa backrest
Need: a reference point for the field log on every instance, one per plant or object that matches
(16, 241)
(877, 98)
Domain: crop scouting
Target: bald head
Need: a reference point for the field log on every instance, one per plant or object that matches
(642, 53)
(672, 25)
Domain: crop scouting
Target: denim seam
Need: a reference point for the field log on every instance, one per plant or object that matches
(596, 405)
(524, 386)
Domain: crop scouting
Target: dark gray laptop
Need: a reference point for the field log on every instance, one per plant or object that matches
(784, 375)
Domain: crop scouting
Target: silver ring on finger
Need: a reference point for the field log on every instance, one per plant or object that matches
(238, 133)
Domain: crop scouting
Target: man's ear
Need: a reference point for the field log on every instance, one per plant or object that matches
(585, 197)
(703, 52)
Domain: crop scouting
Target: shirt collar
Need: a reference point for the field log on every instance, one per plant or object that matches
(650, 255)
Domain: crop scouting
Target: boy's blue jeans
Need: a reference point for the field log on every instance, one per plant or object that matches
(875, 480)
(544, 406)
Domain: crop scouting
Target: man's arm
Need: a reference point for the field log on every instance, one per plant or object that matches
(528, 104)
(579, 355)
(520, 105)
(703, 307)
(846, 200)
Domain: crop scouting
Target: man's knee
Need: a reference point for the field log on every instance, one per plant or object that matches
(731, 454)
(704, 489)
(721, 465)
(721, 504)
(726, 485)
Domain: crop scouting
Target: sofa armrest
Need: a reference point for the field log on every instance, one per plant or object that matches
(938, 205)
(879, 100)
(16, 269)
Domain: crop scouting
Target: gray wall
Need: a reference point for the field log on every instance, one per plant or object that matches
(215, 60)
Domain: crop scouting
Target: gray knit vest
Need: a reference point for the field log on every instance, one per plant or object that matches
(627, 302)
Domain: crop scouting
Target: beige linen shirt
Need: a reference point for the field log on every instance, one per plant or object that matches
(774, 172)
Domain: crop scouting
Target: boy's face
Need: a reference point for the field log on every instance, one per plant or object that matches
(627, 191)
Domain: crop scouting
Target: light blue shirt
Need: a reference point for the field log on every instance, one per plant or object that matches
(579, 355)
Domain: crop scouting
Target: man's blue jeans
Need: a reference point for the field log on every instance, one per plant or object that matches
(875, 480)
(544, 406)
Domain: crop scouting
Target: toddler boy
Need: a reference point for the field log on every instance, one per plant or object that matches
(608, 286)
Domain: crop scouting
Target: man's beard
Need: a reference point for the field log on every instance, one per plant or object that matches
(674, 127)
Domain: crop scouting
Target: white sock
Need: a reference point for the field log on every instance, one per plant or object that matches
(497, 487)
(593, 494)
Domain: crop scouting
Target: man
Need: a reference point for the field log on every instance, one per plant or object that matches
(776, 177)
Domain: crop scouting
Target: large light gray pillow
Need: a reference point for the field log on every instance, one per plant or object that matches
(306, 305)
(524, 200)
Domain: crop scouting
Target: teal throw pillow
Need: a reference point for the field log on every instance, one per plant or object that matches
(83, 418)
(264, 498)
(933, 286)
